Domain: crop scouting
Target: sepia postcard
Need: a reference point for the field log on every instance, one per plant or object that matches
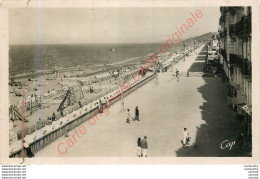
(129, 82)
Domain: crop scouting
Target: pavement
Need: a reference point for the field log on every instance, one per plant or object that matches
(197, 103)
(198, 64)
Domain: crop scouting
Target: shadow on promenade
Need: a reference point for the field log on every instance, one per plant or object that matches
(220, 124)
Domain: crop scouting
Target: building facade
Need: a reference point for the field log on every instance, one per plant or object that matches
(235, 49)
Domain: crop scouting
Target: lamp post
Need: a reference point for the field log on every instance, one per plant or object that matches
(219, 56)
(184, 51)
(110, 50)
(194, 44)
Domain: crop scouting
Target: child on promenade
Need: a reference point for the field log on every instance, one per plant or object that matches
(128, 117)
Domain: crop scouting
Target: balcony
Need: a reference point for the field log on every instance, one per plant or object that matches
(230, 45)
(241, 29)
(244, 64)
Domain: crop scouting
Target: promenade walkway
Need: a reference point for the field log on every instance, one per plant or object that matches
(197, 103)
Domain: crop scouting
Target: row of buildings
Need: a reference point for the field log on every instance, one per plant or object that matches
(235, 53)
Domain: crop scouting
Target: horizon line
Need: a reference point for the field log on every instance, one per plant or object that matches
(111, 42)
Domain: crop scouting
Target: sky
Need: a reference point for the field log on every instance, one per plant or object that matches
(105, 25)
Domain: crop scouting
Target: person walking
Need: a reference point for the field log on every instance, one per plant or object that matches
(128, 116)
(186, 137)
(122, 106)
(156, 80)
(177, 75)
(100, 106)
(137, 114)
(139, 149)
(144, 146)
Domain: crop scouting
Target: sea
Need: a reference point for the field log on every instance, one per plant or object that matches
(33, 58)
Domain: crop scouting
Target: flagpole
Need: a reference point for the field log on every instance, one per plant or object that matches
(109, 50)
(109, 57)
(109, 66)
(184, 51)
